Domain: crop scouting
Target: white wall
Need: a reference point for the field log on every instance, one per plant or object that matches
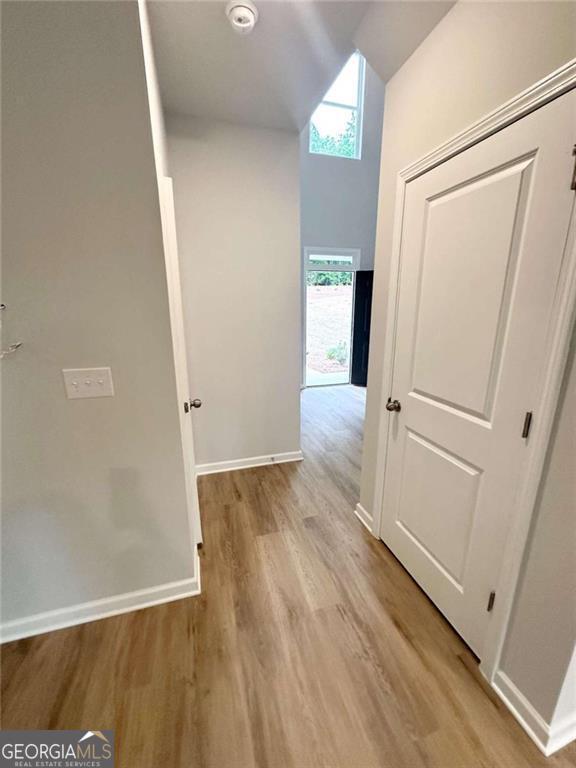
(93, 490)
(479, 56)
(237, 213)
(566, 704)
(339, 196)
(543, 625)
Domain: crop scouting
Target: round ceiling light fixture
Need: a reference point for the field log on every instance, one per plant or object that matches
(242, 15)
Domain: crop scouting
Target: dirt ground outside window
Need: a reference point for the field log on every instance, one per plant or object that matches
(328, 333)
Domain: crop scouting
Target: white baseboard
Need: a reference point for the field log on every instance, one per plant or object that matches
(252, 461)
(100, 609)
(532, 722)
(548, 738)
(365, 517)
(562, 733)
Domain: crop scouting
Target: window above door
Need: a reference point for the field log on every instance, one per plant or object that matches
(332, 259)
(336, 125)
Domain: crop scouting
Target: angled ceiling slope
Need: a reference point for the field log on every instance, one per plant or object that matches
(272, 78)
(390, 31)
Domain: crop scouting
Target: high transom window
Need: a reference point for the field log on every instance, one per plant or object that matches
(336, 125)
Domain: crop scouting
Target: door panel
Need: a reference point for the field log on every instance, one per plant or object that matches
(483, 237)
(361, 334)
(468, 261)
(444, 497)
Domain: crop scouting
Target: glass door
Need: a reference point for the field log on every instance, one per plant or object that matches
(329, 312)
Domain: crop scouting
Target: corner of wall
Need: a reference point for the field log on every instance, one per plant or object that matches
(105, 608)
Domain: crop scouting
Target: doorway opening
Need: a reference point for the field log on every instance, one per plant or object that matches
(329, 282)
(337, 304)
(339, 177)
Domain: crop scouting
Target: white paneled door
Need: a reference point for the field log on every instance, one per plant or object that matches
(483, 237)
(168, 217)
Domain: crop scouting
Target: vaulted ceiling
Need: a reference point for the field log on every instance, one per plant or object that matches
(273, 77)
(276, 76)
(391, 31)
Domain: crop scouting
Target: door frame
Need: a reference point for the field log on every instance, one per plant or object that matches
(356, 254)
(174, 287)
(554, 85)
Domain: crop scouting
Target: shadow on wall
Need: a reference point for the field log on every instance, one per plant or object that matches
(136, 537)
(553, 530)
(137, 533)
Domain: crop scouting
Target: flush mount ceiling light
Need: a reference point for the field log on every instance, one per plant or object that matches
(242, 15)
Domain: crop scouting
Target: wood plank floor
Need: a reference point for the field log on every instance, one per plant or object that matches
(310, 645)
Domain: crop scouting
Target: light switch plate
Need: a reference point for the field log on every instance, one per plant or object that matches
(88, 382)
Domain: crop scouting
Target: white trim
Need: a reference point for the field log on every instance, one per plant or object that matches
(355, 253)
(548, 738)
(550, 87)
(172, 265)
(252, 461)
(534, 97)
(364, 517)
(561, 734)
(561, 326)
(95, 610)
(358, 109)
(389, 355)
(530, 720)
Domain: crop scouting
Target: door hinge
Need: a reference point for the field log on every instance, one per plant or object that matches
(491, 600)
(527, 424)
(573, 185)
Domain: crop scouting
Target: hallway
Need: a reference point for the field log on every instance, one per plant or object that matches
(309, 646)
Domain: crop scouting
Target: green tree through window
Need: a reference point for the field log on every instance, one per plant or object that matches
(315, 277)
(336, 125)
(342, 145)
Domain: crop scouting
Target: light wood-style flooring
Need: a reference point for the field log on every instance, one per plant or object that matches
(310, 646)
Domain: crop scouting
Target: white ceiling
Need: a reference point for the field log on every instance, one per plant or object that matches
(391, 31)
(273, 77)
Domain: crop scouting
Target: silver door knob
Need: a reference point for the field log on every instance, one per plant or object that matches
(196, 403)
(393, 405)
